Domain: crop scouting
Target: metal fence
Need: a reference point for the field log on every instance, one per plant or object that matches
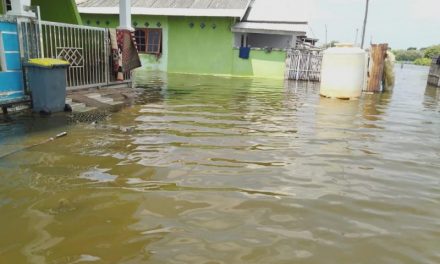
(304, 64)
(87, 49)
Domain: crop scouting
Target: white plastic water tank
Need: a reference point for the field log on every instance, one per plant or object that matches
(343, 72)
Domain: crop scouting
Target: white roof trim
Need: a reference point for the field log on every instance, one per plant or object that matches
(167, 11)
(270, 28)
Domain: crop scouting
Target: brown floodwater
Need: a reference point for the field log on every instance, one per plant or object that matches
(229, 170)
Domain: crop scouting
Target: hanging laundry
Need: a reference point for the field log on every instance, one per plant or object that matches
(116, 55)
(124, 52)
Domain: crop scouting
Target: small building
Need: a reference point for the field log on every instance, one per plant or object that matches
(205, 36)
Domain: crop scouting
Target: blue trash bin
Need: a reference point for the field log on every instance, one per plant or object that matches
(47, 80)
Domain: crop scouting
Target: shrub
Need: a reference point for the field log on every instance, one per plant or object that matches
(423, 61)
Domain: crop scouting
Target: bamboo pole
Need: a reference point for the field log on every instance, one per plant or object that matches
(377, 63)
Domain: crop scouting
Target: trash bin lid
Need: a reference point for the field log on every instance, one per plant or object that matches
(47, 63)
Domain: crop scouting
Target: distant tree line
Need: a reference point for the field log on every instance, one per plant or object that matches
(421, 56)
(418, 56)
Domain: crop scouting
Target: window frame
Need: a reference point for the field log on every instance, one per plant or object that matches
(146, 38)
(3, 66)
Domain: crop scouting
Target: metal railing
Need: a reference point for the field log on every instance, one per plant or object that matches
(87, 49)
(304, 64)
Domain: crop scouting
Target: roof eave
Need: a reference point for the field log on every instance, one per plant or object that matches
(235, 13)
(267, 31)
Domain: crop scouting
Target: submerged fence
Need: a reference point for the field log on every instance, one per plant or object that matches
(87, 49)
(304, 64)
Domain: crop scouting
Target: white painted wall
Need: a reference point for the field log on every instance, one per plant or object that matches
(125, 15)
(267, 40)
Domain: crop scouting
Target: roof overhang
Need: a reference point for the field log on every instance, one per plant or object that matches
(271, 28)
(189, 12)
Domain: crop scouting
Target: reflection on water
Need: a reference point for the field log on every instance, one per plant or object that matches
(229, 170)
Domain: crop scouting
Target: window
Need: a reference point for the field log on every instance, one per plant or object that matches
(149, 40)
(8, 5)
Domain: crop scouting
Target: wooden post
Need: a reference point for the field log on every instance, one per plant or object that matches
(377, 63)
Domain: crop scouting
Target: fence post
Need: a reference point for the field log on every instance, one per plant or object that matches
(377, 64)
(298, 65)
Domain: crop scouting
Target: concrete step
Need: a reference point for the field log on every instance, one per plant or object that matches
(84, 109)
(69, 101)
(105, 100)
(98, 97)
(77, 106)
(93, 95)
(115, 103)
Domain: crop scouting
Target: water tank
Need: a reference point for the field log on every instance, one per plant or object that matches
(343, 72)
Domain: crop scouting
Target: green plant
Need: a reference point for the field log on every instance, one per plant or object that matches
(423, 61)
(432, 52)
(407, 55)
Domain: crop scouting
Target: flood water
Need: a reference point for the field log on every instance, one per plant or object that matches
(229, 170)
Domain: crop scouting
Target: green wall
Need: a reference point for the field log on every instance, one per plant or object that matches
(200, 50)
(197, 50)
(1, 8)
(260, 64)
(149, 61)
(63, 11)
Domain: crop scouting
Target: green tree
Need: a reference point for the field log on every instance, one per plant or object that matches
(432, 52)
(423, 61)
(408, 55)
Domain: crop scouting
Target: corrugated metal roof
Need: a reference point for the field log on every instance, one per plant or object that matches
(270, 28)
(197, 4)
(225, 8)
(189, 12)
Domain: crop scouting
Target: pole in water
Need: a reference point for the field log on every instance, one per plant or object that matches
(365, 24)
(60, 135)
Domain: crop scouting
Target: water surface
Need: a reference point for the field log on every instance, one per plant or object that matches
(229, 170)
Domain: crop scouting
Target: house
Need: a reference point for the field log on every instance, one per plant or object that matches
(64, 11)
(204, 36)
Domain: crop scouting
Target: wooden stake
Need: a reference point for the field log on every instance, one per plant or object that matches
(377, 63)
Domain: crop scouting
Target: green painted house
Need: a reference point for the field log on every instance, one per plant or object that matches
(64, 11)
(205, 36)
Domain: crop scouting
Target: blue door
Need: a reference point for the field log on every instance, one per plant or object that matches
(11, 75)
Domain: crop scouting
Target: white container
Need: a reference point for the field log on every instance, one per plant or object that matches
(343, 72)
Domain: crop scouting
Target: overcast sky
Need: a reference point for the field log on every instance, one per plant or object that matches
(401, 23)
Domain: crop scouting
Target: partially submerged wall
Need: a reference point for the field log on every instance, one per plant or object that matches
(434, 73)
(197, 45)
(260, 64)
(200, 45)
